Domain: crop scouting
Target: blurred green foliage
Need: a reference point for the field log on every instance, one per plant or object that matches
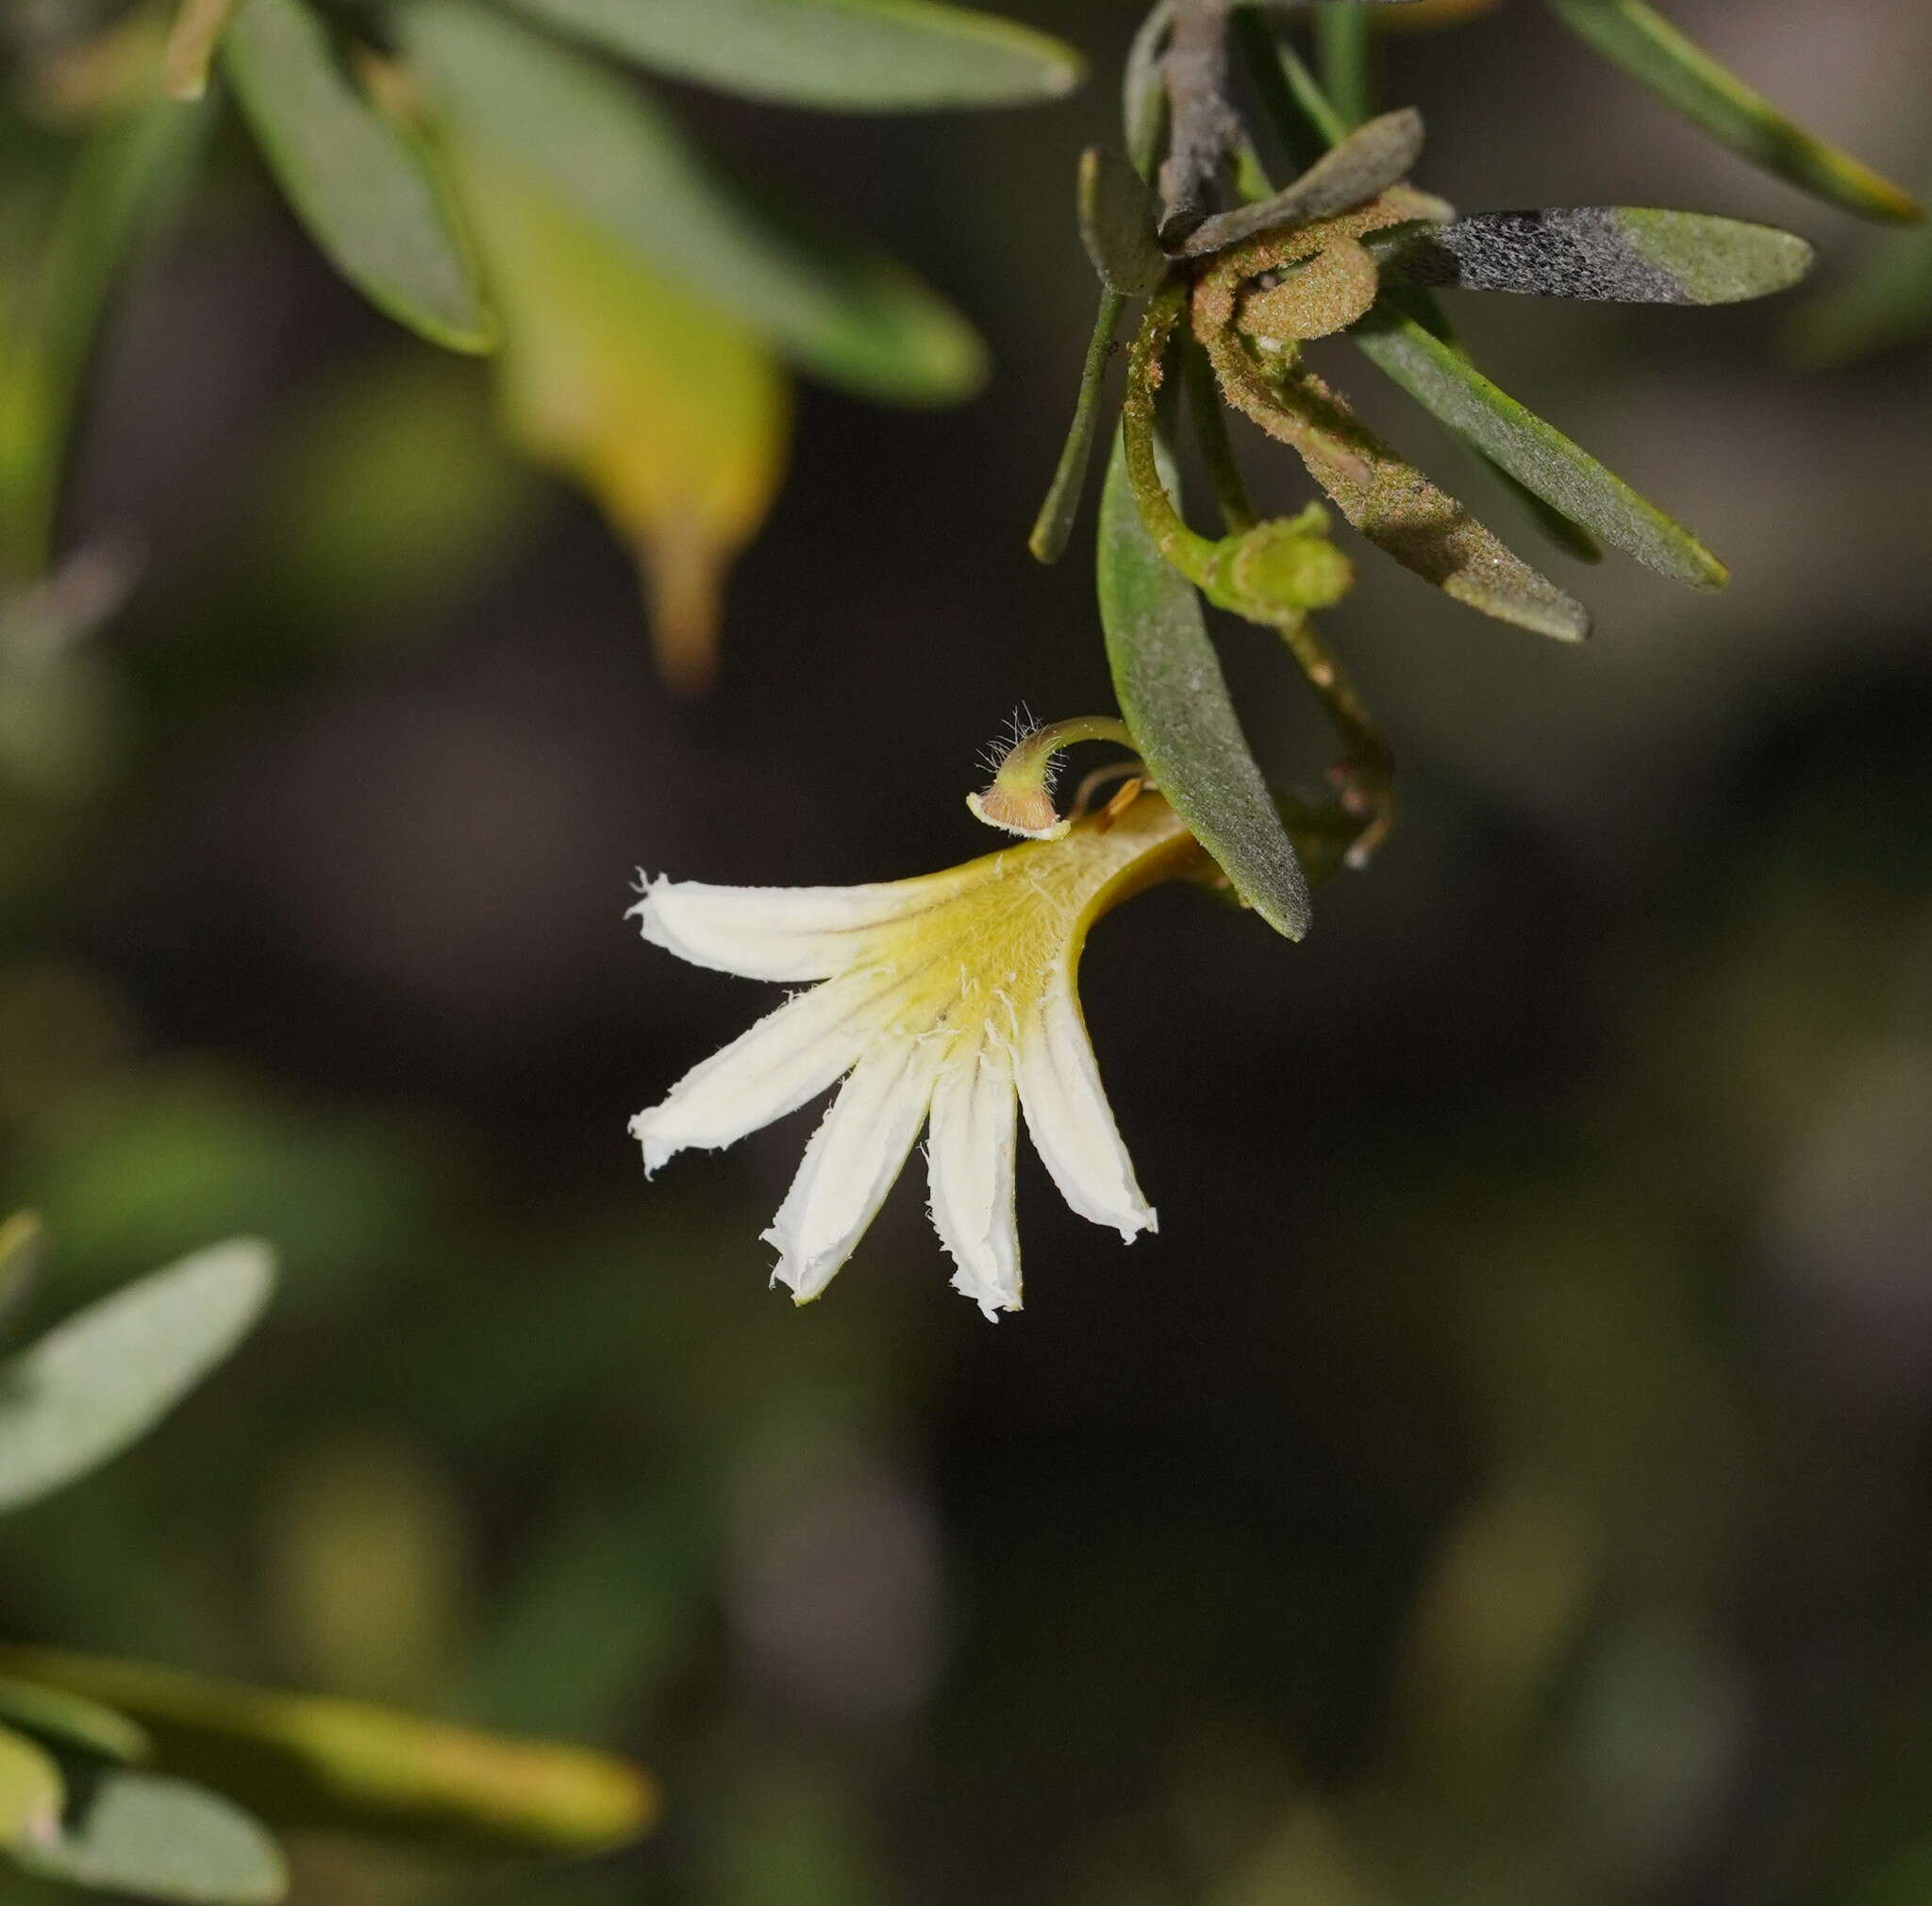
(80, 1802)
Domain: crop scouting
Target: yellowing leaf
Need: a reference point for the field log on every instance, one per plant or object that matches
(191, 40)
(662, 406)
(31, 1792)
(313, 1763)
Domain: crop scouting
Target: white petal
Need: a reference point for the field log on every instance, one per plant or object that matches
(970, 1164)
(778, 932)
(851, 1162)
(1068, 1117)
(790, 1056)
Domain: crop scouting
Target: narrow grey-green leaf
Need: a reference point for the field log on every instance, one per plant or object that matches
(845, 56)
(92, 1386)
(1640, 39)
(163, 1839)
(1371, 159)
(1535, 453)
(71, 1720)
(1573, 538)
(845, 314)
(31, 1792)
(1616, 253)
(1346, 59)
(1174, 699)
(1118, 215)
(1062, 504)
(357, 182)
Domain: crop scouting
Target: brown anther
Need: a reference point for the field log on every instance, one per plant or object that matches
(1124, 797)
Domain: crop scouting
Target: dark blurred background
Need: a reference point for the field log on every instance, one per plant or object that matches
(1505, 1476)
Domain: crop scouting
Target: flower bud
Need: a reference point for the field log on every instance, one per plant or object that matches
(1278, 570)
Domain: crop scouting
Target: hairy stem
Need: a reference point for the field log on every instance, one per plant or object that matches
(1366, 777)
(1180, 546)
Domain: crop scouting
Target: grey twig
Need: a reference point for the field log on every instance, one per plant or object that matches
(1205, 125)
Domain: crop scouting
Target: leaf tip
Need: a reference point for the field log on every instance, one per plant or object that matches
(22, 1238)
(1292, 920)
(1048, 540)
(1898, 207)
(1062, 70)
(480, 337)
(1863, 189)
(1800, 257)
(246, 1265)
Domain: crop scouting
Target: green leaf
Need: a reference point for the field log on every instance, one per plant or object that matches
(1174, 697)
(1118, 216)
(1618, 254)
(1367, 163)
(71, 1721)
(305, 1762)
(843, 313)
(1573, 538)
(1143, 118)
(845, 56)
(163, 1839)
(359, 182)
(1538, 456)
(129, 174)
(1678, 70)
(1062, 504)
(93, 1386)
(1344, 54)
(31, 1792)
(1323, 833)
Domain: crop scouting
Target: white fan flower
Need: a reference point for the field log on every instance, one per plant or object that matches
(947, 998)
